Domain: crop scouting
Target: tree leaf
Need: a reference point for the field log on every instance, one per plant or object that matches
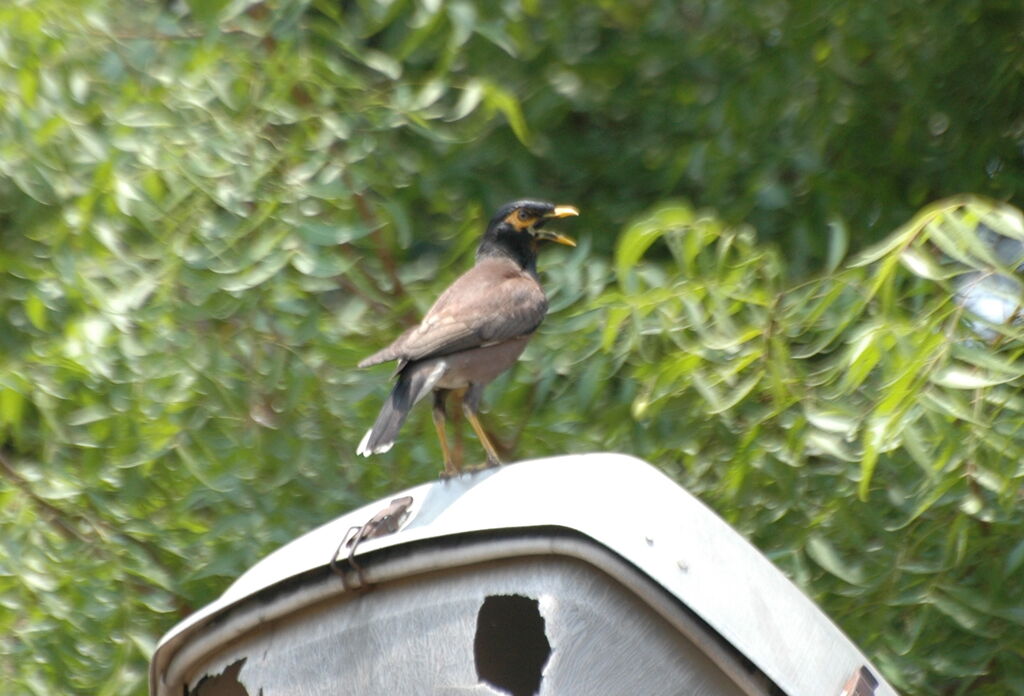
(961, 377)
(822, 553)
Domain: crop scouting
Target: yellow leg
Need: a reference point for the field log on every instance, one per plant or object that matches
(450, 467)
(492, 454)
(456, 415)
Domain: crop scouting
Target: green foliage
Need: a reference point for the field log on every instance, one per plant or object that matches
(211, 210)
(865, 428)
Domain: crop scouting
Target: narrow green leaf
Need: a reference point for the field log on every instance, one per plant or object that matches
(832, 420)
(872, 444)
(382, 63)
(737, 393)
(838, 243)
(469, 100)
(933, 496)
(952, 404)
(984, 358)
(28, 82)
(831, 445)
(1014, 559)
(320, 233)
(206, 11)
(1006, 220)
(640, 235)
(507, 104)
(12, 406)
(89, 414)
(822, 553)
(961, 377)
(874, 253)
(919, 262)
(35, 310)
(966, 617)
(321, 263)
(258, 274)
(613, 322)
(705, 389)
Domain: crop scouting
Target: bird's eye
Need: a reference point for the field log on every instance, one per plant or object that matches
(523, 215)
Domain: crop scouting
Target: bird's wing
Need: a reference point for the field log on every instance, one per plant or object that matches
(391, 352)
(492, 302)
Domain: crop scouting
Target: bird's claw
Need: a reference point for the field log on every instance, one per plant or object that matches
(450, 471)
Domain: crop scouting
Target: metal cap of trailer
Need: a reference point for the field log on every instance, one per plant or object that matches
(581, 574)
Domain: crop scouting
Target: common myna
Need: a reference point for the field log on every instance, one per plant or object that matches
(475, 331)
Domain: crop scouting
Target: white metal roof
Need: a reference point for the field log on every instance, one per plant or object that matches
(612, 500)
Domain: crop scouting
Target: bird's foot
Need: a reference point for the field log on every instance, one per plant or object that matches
(488, 464)
(449, 472)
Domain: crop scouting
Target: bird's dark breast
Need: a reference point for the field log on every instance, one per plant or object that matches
(481, 365)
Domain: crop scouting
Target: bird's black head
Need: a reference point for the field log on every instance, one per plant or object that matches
(515, 231)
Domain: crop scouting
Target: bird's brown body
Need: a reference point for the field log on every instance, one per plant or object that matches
(475, 330)
(493, 302)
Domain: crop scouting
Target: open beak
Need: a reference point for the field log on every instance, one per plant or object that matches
(561, 211)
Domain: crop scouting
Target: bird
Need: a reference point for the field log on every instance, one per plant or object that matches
(474, 331)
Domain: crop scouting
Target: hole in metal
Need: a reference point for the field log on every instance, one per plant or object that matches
(511, 647)
(224, 684)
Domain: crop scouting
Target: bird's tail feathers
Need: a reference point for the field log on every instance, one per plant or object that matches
(413, 384)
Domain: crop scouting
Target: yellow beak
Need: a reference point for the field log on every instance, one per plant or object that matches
(561, 211)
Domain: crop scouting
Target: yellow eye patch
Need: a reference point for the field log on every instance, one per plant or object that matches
(519, 223)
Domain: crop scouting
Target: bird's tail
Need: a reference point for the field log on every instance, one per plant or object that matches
(414, 382)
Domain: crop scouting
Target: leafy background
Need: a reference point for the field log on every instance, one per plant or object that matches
(211, 210)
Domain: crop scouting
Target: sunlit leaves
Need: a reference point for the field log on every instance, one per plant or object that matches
(201, 209)
(638, 237)
(857, 412)
(501, 101)
(213, 210)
